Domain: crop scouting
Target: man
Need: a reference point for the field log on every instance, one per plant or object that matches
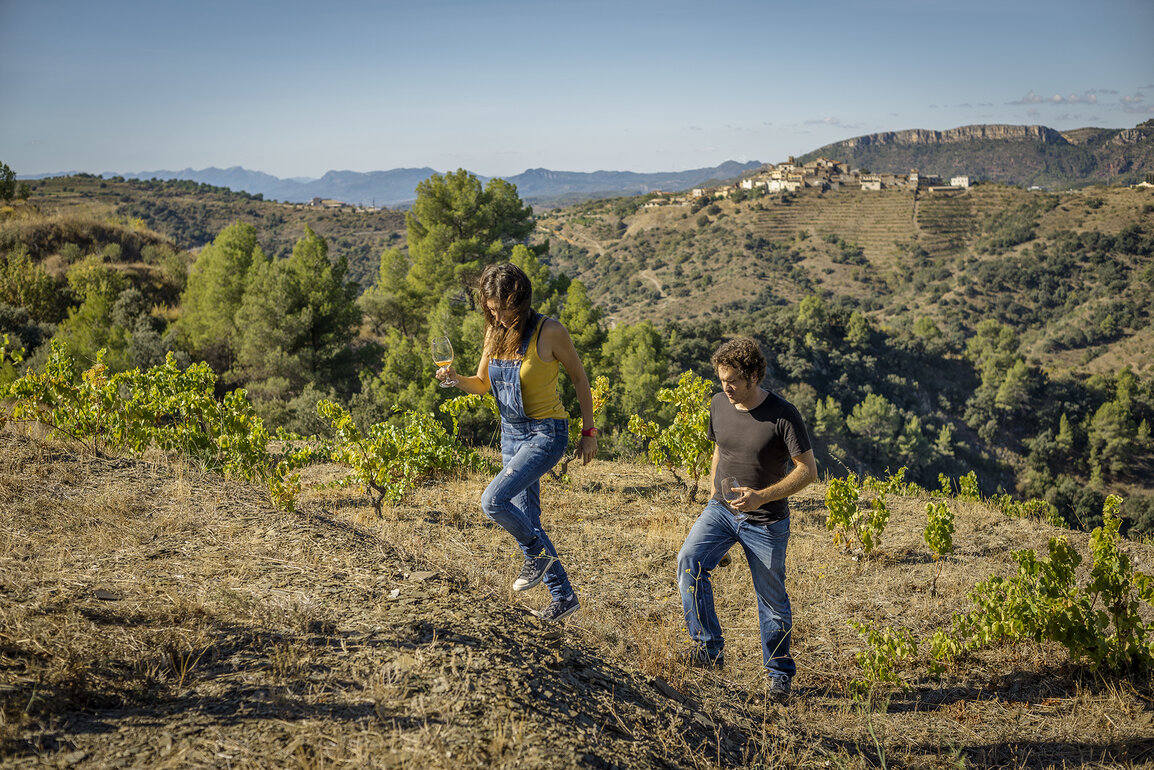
(760, 439)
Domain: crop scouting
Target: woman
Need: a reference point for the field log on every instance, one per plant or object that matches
(519, 363)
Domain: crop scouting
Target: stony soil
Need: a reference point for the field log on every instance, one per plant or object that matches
(201, 628)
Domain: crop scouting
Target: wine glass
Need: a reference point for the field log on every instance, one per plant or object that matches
(729, 493)
(443, 356)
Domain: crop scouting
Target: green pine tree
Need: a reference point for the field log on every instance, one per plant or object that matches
(212, 297)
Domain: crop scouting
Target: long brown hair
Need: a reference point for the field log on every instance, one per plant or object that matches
(508, 284)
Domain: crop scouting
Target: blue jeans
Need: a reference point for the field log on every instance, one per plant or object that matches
(529, 449)
(714, 532)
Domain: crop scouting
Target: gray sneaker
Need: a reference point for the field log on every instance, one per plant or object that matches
(559, 609)
(777, 688)
(533, 571)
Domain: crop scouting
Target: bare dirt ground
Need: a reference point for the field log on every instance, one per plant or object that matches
(154, 616)
(648, 275)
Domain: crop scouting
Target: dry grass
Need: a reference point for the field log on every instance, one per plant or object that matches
(151, 615)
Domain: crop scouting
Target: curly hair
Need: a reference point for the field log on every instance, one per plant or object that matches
(744, 355)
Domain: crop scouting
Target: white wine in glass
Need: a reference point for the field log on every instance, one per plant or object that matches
(443, 356)
(729, 493)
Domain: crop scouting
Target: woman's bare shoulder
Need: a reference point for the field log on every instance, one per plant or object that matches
(552, 326)
(555, 341)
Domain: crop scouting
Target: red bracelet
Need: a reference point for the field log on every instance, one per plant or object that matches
(590, 432)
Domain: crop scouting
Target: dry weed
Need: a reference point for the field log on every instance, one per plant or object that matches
(209, 630)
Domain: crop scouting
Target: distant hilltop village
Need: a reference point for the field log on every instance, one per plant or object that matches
(329, 203)
(822, 174)
(826, 174)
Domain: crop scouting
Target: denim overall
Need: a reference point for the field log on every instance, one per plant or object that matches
(529, 448)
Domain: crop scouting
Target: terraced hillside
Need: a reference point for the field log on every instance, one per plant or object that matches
(870, 219)
(945, 221)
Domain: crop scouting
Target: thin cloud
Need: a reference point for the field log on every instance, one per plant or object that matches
(1138, 109)
(1030, 98)
(831, 122)
(1086, 97)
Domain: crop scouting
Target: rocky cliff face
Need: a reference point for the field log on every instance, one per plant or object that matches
(1129, 136)
(1018, 155)
(997, 132)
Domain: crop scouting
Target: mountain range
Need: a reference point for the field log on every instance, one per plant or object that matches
(397, 187)
(1009, 154)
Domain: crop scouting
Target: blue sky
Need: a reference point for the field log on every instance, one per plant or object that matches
(296, 89)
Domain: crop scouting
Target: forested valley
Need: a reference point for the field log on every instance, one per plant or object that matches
(996, 331)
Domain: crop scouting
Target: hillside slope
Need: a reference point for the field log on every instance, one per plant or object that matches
(155, 616)
(192, 215)
(1067, 277)
(955, 257)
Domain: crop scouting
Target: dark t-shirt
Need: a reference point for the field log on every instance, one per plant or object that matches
(757, 447)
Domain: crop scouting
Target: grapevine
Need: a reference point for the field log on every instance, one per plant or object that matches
(894, 483)
(390, 459)
(162, 407)
(683, 446)
(887, 646)
(847, 521)
(967, 487)
(841, 502)
(939, 536)
(1033, 508)
(1099, 621)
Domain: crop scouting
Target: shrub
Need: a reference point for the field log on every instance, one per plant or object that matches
(939, 532)
(1099, 621)
(848, 521)
(683, 446)
(389, 460)
(164, 407)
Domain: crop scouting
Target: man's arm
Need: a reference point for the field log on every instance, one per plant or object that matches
(803, 474)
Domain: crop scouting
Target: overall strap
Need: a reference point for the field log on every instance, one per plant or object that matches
(531, 329)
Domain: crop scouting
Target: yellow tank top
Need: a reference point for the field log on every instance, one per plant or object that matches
(539, 396)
